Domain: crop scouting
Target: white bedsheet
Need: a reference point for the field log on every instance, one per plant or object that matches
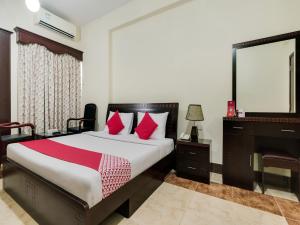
(83, 182)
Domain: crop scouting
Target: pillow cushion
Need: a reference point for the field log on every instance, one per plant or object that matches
(115, 124)
(146, 127)
(127, 120)
(160, 119)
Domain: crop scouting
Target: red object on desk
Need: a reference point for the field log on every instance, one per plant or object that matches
(230, 108)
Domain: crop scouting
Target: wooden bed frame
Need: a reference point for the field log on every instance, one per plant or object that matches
(49, 204)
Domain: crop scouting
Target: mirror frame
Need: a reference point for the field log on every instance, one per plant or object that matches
(282, 37)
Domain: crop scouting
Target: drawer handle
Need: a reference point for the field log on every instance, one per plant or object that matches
(192, 168)
(290, 131)
(192, 153)
(238, 128)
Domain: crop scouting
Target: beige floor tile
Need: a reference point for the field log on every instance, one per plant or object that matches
(168, 205)
(234, 216)
(172, 196)
(130, 222)
(7, 216)
(115, 219)
(196, 217)
(157, 214)
(251, 216)
(204, 209)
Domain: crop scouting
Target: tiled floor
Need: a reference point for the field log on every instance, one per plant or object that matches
(290, 209)
(183, 202)
(276, 192)
(168, 205)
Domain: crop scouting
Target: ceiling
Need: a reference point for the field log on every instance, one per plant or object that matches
(81, 12)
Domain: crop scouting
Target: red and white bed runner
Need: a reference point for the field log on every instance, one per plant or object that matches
(115, 171)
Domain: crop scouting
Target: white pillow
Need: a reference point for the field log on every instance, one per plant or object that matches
(160, 119)
(127, 120)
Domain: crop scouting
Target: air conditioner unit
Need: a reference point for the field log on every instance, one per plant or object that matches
(49, 20)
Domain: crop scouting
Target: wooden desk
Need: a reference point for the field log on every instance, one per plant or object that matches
(242, 137)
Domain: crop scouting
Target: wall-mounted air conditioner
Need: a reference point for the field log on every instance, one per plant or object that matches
(49, 20)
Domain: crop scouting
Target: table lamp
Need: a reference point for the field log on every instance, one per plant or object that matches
(194, 113)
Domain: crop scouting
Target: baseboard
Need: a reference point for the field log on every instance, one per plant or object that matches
(270, 179)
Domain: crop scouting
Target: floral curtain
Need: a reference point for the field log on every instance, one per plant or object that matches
(49, 87)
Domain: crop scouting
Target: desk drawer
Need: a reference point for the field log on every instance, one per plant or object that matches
(284, 130)
(235, 127)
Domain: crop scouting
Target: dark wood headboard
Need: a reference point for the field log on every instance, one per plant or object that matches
(172, 108)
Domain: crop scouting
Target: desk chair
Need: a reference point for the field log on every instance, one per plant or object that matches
(7, 138)
(281, 160)
(87, 123)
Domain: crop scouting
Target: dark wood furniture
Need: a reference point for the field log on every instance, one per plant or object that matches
(48, 204)
(7, 138)
(172, 108)
(5, 76)
(87, 123)
(242, 137)
(193, 160)
(238, 150)
(281, 160)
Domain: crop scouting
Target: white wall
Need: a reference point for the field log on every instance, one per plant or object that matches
(209, 28)
(13, 13)
(255, 68)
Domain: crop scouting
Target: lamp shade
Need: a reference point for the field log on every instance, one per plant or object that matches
(194, 113)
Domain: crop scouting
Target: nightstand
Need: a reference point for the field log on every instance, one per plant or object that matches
(193, 160)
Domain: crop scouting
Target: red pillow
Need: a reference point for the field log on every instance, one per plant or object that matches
(115, 124)
(146, 127)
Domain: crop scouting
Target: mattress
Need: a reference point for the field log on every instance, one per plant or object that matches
(84, 182)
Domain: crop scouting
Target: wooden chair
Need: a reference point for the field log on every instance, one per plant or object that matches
(281, 160)
(7, 138)
(87, 123)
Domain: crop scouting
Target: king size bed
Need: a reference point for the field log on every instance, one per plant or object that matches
(55, 190)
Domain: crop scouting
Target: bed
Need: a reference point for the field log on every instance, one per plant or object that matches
(46, 194)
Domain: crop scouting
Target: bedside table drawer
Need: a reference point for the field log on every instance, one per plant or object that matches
(192, 168)
(193, 160)
(235, 127)
(193, 153)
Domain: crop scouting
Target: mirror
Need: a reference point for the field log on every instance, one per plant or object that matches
(266, 77)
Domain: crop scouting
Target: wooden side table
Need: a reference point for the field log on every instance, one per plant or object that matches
(193, 160)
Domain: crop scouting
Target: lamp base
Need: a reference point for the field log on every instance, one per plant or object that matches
(194, 134)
